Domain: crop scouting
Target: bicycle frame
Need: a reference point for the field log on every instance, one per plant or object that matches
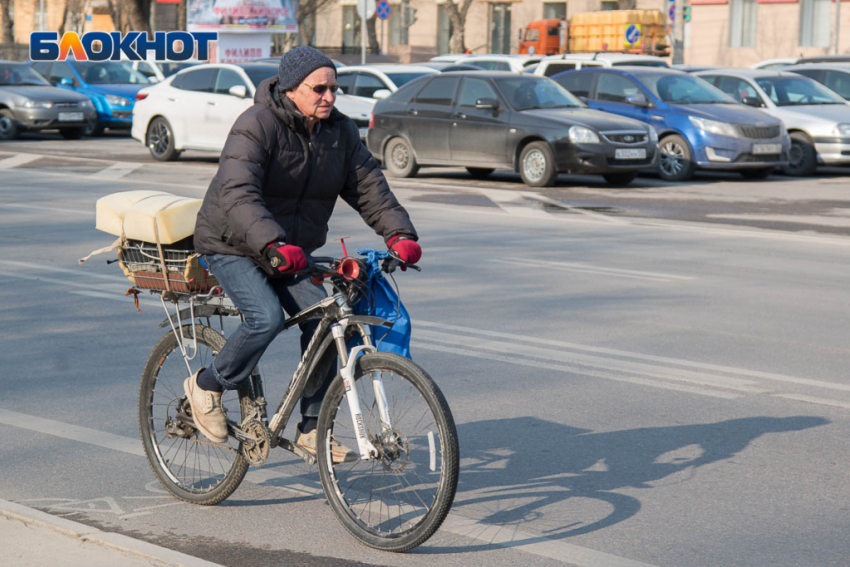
(336, 317)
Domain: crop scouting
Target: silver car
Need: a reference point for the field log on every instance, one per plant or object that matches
(29, 102)
(817, 119)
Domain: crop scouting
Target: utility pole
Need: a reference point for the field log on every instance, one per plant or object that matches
(837, 25)
(41, 18)
(679, 33)
(362, 11)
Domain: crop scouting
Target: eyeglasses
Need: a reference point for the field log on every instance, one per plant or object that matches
(322, 89)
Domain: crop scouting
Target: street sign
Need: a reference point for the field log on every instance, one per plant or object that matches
(672, 12)
(633, 34)
(383, 9)
(365, 9)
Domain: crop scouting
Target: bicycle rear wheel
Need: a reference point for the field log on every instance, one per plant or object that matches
(398, 500)
(187, 464)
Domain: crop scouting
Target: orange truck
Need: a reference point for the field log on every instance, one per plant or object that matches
(625, 31)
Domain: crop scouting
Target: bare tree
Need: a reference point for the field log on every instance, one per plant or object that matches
(308, 11)
(130, 14)
(458, 10)
(6, 17)
(73, 17)
(372, 38)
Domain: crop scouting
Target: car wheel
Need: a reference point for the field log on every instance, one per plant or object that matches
(161, 140)
(675, 161)
(802, 157)
(72, 133)
(762, 173)
(9, 129)
(480, 172)
(537, 165)
(620, 179)
(399, 159)
(93, 129)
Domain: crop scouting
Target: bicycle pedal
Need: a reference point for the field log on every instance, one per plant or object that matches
(288, 445)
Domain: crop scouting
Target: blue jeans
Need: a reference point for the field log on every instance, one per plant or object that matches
(262, 301)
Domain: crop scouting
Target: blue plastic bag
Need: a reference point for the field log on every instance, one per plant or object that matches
(383, 302)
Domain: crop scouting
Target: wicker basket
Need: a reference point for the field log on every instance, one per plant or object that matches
(143, 266)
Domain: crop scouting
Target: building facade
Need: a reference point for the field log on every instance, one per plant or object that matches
(721, 32)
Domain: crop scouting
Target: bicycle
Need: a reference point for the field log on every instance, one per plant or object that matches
(393, 495)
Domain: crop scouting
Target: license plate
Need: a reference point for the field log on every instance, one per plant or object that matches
(630, 154)
(761, 149)
(363, 132)
(71, 117)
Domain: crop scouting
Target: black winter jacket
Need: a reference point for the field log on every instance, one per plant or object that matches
(275, 184)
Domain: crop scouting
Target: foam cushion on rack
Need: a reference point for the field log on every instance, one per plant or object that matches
(111, 209)
(170, 217)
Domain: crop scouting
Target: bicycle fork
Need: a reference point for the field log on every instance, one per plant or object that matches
(348, 360)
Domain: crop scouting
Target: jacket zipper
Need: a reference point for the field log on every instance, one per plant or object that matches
(304, 190)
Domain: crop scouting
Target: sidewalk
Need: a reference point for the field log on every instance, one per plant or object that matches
(30, 538)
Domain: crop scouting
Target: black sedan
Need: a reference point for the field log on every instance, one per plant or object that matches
(484, 120)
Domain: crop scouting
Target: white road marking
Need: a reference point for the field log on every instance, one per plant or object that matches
(117, 170)
(512, 202)
(590, 269)
(41, 268)
(583, 371)
(18, 160)
(581, 363)
(455, 523)
(598, 216)
(52, 209)
(814, 400)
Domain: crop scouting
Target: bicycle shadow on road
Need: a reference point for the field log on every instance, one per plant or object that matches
(514, 470)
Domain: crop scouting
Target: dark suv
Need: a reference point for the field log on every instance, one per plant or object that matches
(485, 120)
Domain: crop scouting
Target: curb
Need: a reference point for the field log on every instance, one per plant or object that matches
(111, 540)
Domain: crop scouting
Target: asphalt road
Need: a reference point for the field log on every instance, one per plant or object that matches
(644, 376)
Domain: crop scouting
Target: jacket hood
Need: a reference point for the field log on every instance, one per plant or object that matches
(269, 96)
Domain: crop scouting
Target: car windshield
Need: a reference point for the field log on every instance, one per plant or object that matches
(683, 89)
(797, 91)
(259, 73)
(641, 63)
(109, 72)
(16, 74)
(169, 68)
(400, 79)
(527, 93)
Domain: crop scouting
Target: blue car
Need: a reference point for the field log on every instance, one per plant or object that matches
(698, 125)
(111, 86)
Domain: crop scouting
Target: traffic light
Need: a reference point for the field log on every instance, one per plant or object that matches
(686, 13)
(411, 16)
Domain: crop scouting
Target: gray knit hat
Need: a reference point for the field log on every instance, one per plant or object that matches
(297, 63)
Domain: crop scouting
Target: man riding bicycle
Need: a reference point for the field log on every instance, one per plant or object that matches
(286, 161)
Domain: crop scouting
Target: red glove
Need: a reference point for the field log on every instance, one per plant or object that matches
(407, 250)
(287, 258)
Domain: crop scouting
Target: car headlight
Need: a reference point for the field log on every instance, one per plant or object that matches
(38, 104)
(843, 129)
(714, 127)
(86, 104)
(653, 135)
(582, 135)
(117, 100)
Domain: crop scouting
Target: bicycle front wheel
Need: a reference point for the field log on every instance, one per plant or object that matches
(190, 466)
(396, 501)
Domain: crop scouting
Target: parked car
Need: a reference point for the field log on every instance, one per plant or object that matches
(448, 67)
(484, 120)
(513, 63)
(373, 82)
(196, 108)
(111, 86)
(834, 76)
(785, 61)
(156, 71)
(693, 68)
(450, 57)
(699, 126)
(817, 119)
(29, 102)
(554, 64)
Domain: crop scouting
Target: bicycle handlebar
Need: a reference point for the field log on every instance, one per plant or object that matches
(324, 266)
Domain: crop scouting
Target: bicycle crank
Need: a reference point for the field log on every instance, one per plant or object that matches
(256, 442)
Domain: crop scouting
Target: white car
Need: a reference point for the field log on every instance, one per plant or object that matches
(834, 76)
(553, 64)
(371, 83)
(195, 109)
(513, 63)
(817, 119)
(775, 63)
(157, 71)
